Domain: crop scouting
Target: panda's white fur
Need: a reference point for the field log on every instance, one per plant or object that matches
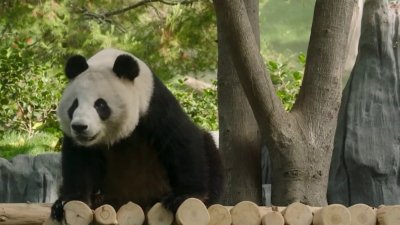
(128, 100)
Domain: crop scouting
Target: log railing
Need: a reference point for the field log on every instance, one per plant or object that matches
(194, 212)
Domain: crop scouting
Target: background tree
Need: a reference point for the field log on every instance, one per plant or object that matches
(365, 163)
(300, 142)
(239, 136)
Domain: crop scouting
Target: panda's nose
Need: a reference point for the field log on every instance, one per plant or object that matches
(79, 128)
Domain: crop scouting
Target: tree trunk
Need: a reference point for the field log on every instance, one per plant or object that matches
(300, 142)
(354, 37)
(366, 164)
(239, 140)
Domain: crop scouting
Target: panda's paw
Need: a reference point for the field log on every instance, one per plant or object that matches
(172, 201)
(57, 210)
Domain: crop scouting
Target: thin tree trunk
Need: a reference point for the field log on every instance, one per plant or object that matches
(239, 140)
(300, 142)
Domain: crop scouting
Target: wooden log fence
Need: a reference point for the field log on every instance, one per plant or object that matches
(194, 212)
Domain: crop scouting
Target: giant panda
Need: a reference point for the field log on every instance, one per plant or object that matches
(126, 138)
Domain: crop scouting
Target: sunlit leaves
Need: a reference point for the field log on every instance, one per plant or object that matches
(287, 81)
(29, 89)
(201, 105)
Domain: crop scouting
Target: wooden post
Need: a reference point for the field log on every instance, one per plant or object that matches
(332, 214)
(77, 213)
(21, 213)
(105, 215)
(297, 214)
(362, 214)
(158, 215)
(246, 213)
(130, 214)
(192, 212)
(273, 218)
(389, 215)
(219, 215)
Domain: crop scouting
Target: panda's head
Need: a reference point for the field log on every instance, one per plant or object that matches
(105, 97)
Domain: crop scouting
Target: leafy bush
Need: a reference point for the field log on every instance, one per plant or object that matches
(36, 37)
(286, 81)
(29, 89)
(201, 106)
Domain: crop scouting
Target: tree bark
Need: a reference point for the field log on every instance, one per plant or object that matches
(300, 142)
(365, 163)
(239, 140)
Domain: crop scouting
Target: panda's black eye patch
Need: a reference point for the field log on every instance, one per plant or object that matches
(71, 109)
(102, 108)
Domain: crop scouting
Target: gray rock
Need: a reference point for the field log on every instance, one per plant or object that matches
(366, 158)
(27, 178)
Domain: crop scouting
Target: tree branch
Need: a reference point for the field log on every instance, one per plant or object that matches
(105, 17)
(99, 17)
(257, 85)
(144, 2)
(319, 97)
(123, 10)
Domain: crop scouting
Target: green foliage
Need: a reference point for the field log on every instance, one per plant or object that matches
(286, 81)
(36, 37)
(201, 106)
(12, 144)
(28, 88)
(193, 44)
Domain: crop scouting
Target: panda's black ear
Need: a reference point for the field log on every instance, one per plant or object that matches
(126, 66)
(75, 66)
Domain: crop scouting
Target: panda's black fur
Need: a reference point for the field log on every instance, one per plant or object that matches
(166, 158)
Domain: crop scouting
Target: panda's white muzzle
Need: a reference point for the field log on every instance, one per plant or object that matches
(85, 126)
(79, 128)
(82, 134)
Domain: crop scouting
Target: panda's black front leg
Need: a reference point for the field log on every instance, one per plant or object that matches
(188, 174)
(82, 171)
(172, 201)
(57, 210)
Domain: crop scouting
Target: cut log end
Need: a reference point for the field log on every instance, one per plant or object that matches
(77, 213)
(105, 215)
(362, 214)
(192, 212)
(273, 218)
(158, 215)
(130, 214)
(389, 215)
(219, 215)
(298, 214)
(332, 214)
(246, 213)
